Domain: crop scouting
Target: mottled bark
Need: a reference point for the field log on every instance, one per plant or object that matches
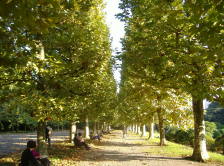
(200, 152)
(161, 127)
(94, 128)
(151, 128)
(133, 128)
(143, 131)
(139, 130)
(136, 128)
(87, 128)
(72, 131)
(125, 131)
(42, 146)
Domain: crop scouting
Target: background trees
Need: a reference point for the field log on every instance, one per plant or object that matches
(55, 60)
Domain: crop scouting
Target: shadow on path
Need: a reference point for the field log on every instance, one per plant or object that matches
(105, 155)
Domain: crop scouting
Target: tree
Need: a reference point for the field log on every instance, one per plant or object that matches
(171, 51)
(54, 55)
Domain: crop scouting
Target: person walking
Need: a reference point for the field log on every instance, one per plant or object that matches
(48, 134)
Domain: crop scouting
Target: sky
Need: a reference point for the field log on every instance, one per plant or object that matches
(116, 29)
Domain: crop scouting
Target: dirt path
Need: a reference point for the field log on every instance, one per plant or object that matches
(116, 151)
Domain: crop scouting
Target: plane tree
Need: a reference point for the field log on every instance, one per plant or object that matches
(52, 54)
(169, 45)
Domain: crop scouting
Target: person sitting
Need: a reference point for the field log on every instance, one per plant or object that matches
(94, 137)
(32, 158)
(42, 158)
(79, 141)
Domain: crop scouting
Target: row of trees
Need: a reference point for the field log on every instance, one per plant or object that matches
(55, 61)
(172, 60)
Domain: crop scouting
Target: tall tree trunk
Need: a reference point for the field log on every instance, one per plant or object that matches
(87, 128)
(42, 145)
(72, 131)
(98, 128)
(143, 131)
(161, 127)
(107, 128)
(200, 152)
(94, 128)
(151, 128)
(136, 128)
(139, 130)
(125, 131)
(133, 128)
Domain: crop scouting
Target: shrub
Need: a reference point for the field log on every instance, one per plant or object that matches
(210, 143)
(170, 134)
(180, 136)
(219, 144)
(218, 133)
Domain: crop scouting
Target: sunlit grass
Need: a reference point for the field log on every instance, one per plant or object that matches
(177, 150)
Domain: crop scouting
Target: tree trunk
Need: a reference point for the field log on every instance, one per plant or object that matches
(107, 128)
(133, 128)
(87, 128)
(151, 126)
(161, 127)
(94, 128)
(72, 131)
(136, 128)
(139, 130)
(200, 152)
(124, 131)
(143, 131)
(42, 146)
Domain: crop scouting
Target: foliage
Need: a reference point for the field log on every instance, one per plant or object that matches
(215, 113)
(56, 60)
(210, 128)
(168, 46)
(180, 136)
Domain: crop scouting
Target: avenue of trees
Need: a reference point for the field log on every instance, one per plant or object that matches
(172, 60)
(56, 66)
(55, 63)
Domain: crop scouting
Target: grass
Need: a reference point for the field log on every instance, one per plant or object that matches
(177, 150)
(174, 150)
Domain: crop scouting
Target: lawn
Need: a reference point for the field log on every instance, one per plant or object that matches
(177, 150)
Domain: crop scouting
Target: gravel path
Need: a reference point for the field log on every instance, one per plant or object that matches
(14, 142)
(116, 151)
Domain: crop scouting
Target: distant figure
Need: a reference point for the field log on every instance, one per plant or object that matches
(79, 141)
(30, 157)
(94, 137)
(48, 133)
